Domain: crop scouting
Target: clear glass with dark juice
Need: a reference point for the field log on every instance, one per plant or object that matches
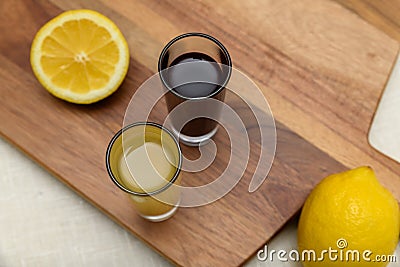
(194, 68)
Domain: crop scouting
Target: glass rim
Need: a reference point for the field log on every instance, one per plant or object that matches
(206, 36)
(124, 188)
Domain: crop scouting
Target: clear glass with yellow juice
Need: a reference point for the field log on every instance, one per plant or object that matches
(144, 160)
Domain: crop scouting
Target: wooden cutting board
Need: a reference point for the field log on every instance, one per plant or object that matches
(321, 68)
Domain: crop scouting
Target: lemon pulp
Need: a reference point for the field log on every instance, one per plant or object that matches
(80, 56)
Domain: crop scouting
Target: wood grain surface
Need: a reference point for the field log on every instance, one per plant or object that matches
(321, 67)
(382, 14)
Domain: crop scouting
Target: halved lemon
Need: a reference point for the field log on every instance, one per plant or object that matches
(80, 56)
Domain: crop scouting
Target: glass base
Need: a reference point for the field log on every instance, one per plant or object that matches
(195, 140)
(162, 217)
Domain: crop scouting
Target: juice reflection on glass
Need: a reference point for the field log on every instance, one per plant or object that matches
(144, 160)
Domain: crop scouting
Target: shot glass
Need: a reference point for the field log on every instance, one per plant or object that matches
(144, 160)
(194, 67)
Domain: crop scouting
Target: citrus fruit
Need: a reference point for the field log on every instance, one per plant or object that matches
(351, 213)
(80, 56)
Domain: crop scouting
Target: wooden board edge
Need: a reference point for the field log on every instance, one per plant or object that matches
(396, 59)
(83, 196)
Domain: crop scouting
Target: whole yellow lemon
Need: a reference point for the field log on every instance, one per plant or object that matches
(349, 219)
